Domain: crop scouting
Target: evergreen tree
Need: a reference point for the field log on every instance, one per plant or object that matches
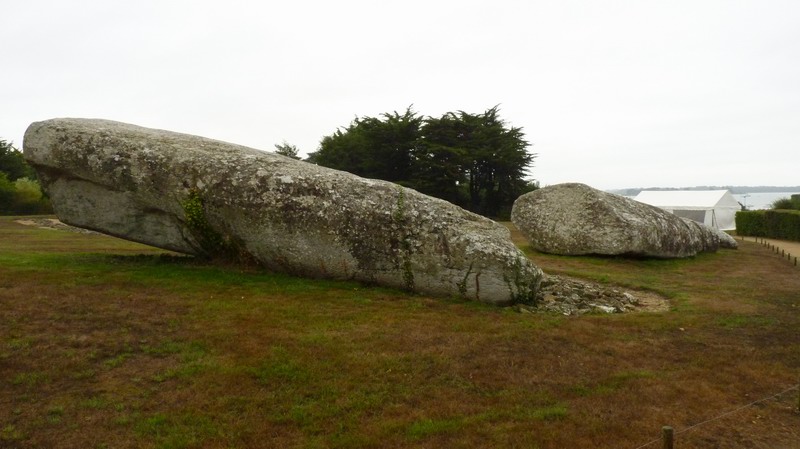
(472, 160)
(493, 159)
(12, 163)
(7, 193)
(288, 150)
(20, 192)
(373, 147)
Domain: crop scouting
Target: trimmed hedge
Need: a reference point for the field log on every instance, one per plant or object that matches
(775, 224)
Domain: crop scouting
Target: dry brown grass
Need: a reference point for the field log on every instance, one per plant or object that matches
(98, 350)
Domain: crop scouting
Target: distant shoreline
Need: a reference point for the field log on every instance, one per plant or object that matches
(740, 190)
(761, 200)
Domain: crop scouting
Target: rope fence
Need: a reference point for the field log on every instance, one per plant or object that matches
(668, 434)
(775, 248)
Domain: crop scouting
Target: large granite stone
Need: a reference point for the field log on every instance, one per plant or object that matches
(205, 197)
(575, 219)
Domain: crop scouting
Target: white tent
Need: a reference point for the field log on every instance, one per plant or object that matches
(714, 208)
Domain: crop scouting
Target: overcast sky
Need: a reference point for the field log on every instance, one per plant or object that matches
(611, 93)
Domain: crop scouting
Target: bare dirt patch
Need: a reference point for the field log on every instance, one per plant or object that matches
(52, 223)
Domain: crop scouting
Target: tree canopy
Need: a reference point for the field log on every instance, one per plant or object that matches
(473, 160)
(381, 148)
(12, 163)
(287, 149)
(20, 193)
(792, 203)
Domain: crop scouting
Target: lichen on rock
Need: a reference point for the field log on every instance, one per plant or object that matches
(575, 219)
(210, 198)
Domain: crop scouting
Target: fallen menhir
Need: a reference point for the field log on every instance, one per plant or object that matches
(575, 219)
(205, 197)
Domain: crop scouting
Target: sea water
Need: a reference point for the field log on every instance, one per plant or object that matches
(761, 200)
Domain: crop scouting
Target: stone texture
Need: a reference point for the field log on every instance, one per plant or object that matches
(575, 219)
(725, 240)
(713, 236)
(570, 296)
(205, 197)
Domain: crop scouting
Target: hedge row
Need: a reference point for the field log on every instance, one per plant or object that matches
(775, 224)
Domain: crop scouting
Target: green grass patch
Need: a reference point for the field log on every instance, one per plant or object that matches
(18, 344)
(525, 413)
(55, 414)
(183, 430)
(612, 383)
(107, 341)
(95, 402)
(118, 359)
(280, 367)
(426, 427)
(549, 413)
(30, 379)
(9, 432)
(741, 321)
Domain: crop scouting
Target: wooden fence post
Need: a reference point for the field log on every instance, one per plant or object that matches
(666, 435)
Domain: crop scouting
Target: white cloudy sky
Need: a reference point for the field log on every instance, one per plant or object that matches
(611, 93)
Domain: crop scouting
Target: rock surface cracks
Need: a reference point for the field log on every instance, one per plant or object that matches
(575, 219)
(210, 198)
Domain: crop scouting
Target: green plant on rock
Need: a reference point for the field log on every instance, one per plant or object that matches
(401, 220)
(462, 285)
(521, 290)
(213, 244)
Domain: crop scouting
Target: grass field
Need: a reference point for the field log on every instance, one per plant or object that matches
(110, 344)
